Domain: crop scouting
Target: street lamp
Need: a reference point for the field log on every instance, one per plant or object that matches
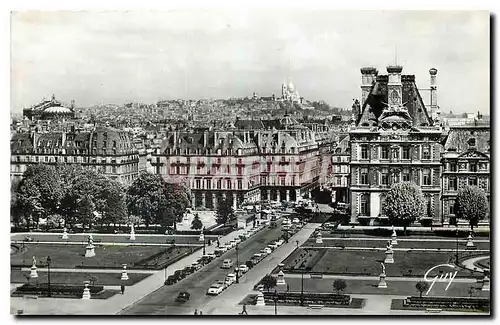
(48, 269)
(204, 241)
(456, 254)
(302, 286)
(275, 302)
(237, 265)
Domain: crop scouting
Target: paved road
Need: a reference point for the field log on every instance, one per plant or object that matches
(162, 301)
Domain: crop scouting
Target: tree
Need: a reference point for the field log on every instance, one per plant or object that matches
(422, 286)
(404, 203)
(39, 193)
(196, 223)
(339, 285)
(471, 204)
(224, 213)
(268, 281)
(145, 196)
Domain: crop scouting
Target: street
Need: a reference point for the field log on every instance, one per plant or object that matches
(162, 301)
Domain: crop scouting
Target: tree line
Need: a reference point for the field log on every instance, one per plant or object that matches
(73, 195)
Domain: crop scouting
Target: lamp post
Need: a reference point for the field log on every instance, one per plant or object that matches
(456, 253)
(237, 265)
(302, 286)
(275, 302)
(204, 241)
(49, 260)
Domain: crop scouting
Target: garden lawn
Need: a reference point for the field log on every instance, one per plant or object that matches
(77, 278)
(400, 288)
(72, 256)
(350, 262)
(83, 238)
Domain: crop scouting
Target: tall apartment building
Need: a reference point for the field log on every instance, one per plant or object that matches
(106, 150)
(393, 139)
(256, 160)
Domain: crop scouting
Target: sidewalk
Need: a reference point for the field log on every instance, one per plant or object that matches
(113, 305)
(356, 248)
(372, 278)
(117, 271)
(236, 292)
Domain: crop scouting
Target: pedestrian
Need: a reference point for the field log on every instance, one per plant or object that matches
(244, 311)
(123, 289)
(201, 313)
(287, 287)
(196, 311)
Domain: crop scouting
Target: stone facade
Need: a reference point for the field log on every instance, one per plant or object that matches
(107, 150)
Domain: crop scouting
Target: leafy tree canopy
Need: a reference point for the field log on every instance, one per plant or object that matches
(471, 204)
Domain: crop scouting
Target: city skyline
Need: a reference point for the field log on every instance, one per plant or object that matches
(115, 57)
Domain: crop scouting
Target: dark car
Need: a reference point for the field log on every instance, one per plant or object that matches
(183, 296)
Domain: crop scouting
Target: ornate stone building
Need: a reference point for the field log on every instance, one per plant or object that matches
(106, 150)
(393, 139)
(340, 176)
(465, 161)
(49, 110)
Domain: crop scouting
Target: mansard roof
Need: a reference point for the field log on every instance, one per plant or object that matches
(375, 103)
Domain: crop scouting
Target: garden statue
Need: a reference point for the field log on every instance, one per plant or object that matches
(383, 268)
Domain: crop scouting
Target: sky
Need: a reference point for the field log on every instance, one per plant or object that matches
(146, 56)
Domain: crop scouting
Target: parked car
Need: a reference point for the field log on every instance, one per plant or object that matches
(268, 250)
(215, 289)
(219, 252)
(183, 296)
(280, 241)
(237, 240)
(171, 280)
(229, 245)
(227, 264)
(295, 220)
(243, 268)
(263, 252)
(230, 279)
(196, 266)
(256, 258)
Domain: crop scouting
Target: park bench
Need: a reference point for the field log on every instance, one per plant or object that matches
(433, 310)
(30, 297)
(316, 275)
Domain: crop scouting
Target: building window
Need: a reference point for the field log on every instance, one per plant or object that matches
(406, 175)
(472, 181)
(451, 207)
(209, 184)
(364, 175)
(228, 184)
(364, 151)
(406, 152)
(218, 184)
(385, 177)
(338, 180)
(384, 152)
(293, 181)
(453, 167)
(427, 176)
(198, 183)
(240, 184)
(473, 167)
(452, 183)
(282, 181)
(426, 152)
(363, 205)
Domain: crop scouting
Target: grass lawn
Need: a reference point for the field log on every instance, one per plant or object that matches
(77, 278)
(382, 243)
(340, 234)
(368, 262)
(105, 294)
(83, 238)
(400, 288)
(71, 256)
